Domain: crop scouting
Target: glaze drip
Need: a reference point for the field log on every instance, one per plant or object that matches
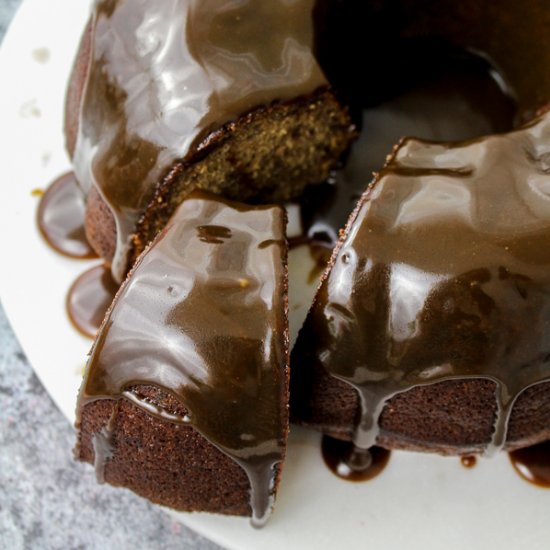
(202, 317)
(103, 446)
(165, 74)
(533, 464)
(352, 463)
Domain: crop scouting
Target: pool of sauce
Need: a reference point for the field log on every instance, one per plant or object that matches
(351, 463)
(533, 464)
(89, 298)
(468, 461)
(60, 218)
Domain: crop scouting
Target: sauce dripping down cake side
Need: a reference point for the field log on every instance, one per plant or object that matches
(184, 398)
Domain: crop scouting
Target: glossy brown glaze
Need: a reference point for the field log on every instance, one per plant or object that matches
(533, 463)
(203, 317)
(443, 273)
(60, 218)
(166, 74)
(89, 299)
(351, 463)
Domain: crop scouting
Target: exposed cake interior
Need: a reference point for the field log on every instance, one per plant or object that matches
(185, 393)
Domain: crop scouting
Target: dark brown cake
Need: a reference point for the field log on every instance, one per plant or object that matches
(206, 97)
(431, 328)
(185, 395)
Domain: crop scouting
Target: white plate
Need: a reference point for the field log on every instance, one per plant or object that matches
(418, 502)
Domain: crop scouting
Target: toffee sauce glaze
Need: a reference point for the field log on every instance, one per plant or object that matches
(60, 219)
(481, 296)
(203, 316)
(533, 464)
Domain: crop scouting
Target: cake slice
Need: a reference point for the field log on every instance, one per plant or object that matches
(184, 399)
(431, 327)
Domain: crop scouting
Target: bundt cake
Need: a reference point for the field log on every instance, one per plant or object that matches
(185, 393)
(435, 299)
(176, 95)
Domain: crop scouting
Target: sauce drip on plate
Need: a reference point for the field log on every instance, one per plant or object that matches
(533, 464)
(60, 218)
(89, 298)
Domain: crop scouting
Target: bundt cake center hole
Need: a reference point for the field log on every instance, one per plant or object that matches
(430, 91)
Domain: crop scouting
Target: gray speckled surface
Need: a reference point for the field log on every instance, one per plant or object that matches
(48, 501)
